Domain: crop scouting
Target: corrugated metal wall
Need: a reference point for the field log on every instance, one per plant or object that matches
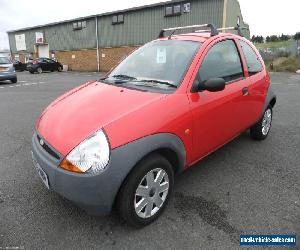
(60, 37)
(143, 26)
(233, 11)
(140, 26)
(63, 37)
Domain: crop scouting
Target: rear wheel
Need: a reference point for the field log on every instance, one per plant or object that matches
(39, 70)
(262, 128)
(14, 80)
(146, 191)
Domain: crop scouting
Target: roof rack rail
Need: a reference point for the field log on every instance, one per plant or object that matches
(238, 28)
(213, 30)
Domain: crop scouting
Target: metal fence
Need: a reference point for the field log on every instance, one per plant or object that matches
(271, 53)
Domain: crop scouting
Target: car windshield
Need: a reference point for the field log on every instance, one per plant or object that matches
(4, 60)
(162, 63)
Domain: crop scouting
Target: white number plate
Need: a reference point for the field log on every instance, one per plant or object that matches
(41, 172)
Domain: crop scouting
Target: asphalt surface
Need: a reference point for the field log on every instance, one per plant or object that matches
(245, 187)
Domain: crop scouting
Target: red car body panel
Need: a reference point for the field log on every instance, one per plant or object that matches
(127, 115)
(70, 120)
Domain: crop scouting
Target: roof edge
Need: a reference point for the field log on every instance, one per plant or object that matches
(99, 15)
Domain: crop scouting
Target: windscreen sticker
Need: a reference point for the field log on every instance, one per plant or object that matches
(161, 55)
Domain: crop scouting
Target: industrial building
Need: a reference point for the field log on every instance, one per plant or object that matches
(99, 42)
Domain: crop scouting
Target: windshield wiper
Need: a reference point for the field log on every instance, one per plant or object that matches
(120, 79)
(124, 77)
(158, 81)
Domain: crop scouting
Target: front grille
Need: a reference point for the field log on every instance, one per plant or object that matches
(47, 148)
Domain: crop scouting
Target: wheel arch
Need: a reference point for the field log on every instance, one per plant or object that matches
(270, 99)
(167, 145)
(273, 102)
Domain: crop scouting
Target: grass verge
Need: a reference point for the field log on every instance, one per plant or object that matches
(284, 64)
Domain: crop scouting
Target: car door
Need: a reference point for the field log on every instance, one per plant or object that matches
(52, 65)
(43, 64)
(214, 113)
(257, 85)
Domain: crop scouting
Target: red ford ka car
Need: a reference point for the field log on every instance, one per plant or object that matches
(119, 141)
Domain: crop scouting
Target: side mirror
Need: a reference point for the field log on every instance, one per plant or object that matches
(214, 84)
(211, 85)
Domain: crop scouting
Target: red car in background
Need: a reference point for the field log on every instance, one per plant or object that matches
(120, 140)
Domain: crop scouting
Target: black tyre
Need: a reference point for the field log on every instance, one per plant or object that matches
(262, 128)
(146, 191)
(31, 72)
(14, 80)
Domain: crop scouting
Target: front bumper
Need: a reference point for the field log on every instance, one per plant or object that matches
(96, 193)
(93, 193)
(7, 75)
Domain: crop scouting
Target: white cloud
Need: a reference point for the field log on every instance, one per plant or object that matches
(272, 17)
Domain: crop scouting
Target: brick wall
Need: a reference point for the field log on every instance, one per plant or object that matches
(78, 60)
(86, 60)
(110, 57)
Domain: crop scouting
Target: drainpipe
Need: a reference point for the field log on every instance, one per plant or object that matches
(97, 44)
(224, 15)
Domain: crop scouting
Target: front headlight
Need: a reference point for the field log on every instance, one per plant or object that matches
(90, 156)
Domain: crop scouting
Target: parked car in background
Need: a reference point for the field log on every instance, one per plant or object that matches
(43, 64)
(119, 141)
(7, 70)
(19, 66)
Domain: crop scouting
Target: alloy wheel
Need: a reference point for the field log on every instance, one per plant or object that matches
(266, 122)
(151, 193)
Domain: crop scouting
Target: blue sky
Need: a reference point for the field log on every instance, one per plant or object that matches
(265, 17)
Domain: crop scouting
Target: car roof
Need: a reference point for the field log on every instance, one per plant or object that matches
(200, 36)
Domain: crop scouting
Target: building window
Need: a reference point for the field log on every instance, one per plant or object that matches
(117, 19)
(187, 8)
(169, 11)
(79, 25)
(173, 10)
(177, 9)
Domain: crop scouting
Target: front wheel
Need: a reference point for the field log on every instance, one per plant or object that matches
(14, 80)
(262, 128)
(146, 191)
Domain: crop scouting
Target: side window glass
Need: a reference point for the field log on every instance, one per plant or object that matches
(252, 59)
(222, 61)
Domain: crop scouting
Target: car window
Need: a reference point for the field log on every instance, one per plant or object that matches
(252, 59)
(222, 61)
(159, 60)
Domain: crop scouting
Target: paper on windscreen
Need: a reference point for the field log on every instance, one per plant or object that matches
(161, 55)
